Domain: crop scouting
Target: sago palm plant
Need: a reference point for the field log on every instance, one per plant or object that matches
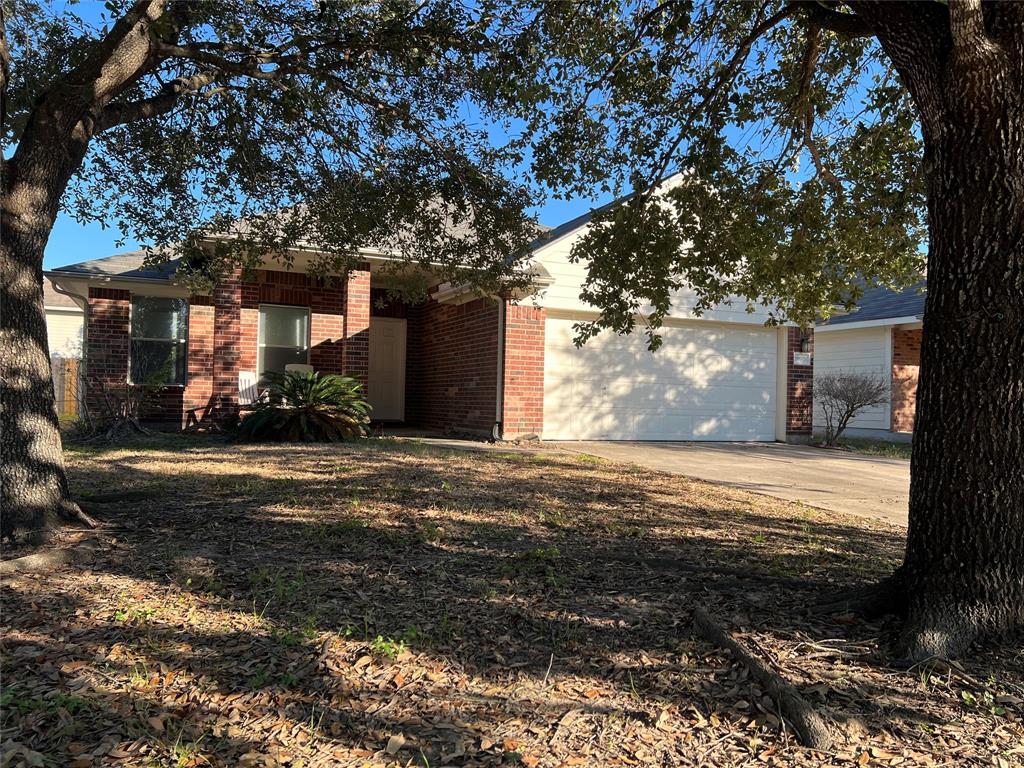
(307, 407)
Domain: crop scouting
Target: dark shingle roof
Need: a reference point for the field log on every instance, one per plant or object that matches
(123, 265)
(884, 303)
(550, 234)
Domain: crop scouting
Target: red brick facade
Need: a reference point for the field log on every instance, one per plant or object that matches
(107, 342)
(906, 360)
(799, 385)
(452, 366)
(223, 337)
(452, 353)
(356, 348)
(523, 386)
(201, 334)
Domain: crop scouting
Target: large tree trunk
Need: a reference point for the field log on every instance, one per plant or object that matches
(963, 576)
(50, 151)
(34, 492)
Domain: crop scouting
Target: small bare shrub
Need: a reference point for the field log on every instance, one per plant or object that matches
(844, 394)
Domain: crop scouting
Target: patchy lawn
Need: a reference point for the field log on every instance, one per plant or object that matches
(387, 603)
(886, 449)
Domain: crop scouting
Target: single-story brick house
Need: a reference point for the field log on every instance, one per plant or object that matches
(882, 335)
(456, 362)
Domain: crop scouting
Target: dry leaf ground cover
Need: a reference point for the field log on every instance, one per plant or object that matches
(388, 603)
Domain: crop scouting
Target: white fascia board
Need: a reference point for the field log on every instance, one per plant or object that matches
(453, 294)
(460, 294)
(79, 284)
(370, 254)
(72, 310)
(909, 319)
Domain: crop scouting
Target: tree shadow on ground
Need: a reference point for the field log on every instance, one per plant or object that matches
(335, 602)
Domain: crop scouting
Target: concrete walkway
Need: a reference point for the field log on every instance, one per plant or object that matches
(838, 481)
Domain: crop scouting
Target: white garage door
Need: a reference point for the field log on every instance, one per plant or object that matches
(706, 382)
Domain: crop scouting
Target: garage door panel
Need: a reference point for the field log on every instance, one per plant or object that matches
(703, 384)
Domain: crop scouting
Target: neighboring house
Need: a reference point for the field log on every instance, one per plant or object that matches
(882, 335)
(65, 322)
(456, 362)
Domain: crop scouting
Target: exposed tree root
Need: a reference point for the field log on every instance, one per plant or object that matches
(882, 598)
(813, 729)
(54, 558)
(928, 632)
(73, 513)
(118, 496)
(719, 575)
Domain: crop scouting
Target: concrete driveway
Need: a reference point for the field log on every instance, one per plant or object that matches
(838, 481)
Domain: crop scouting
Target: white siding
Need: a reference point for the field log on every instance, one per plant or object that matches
(564, 293)
(867, 350)
(708, 381)
(64, 332)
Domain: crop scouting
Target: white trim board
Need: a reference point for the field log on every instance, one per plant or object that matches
(907, 320)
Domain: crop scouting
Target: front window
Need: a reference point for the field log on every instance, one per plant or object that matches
(284, 337)
(159, 333)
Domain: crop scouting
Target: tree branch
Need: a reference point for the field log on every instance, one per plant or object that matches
(843, 24)
(967, 26)
(119, 113)
(91, 70)
(716, 91)
(804, 109)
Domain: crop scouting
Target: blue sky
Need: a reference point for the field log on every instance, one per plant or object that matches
(72, 242)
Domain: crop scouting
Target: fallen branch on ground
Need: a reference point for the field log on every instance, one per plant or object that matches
(811, 727)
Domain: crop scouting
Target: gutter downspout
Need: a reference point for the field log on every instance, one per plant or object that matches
(81, 301)
(499, 400)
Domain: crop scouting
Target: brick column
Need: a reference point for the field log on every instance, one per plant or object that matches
(227, 337)
(327, 327)
(799, 387)
(108, 343)
(199, 387)
(906, 362)
(523, 385)
(356, 349)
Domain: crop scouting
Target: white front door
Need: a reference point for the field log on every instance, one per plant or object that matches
(386, 381)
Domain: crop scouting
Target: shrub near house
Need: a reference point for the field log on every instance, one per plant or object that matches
(307, 407)
(842, 395)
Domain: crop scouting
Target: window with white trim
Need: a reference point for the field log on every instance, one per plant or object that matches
(159, 340)
(283, 337)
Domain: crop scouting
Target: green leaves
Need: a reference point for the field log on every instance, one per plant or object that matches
(375, 120)
(308, 407)
(427, 130)
(801, 164)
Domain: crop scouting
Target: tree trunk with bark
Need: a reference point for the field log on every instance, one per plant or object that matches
(962, 578)
(34, 492)
(34, 484)
(50, 151)
(964, 570)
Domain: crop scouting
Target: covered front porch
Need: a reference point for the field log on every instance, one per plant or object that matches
(454, 363)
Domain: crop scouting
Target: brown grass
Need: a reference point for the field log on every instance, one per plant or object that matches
(388, 603)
